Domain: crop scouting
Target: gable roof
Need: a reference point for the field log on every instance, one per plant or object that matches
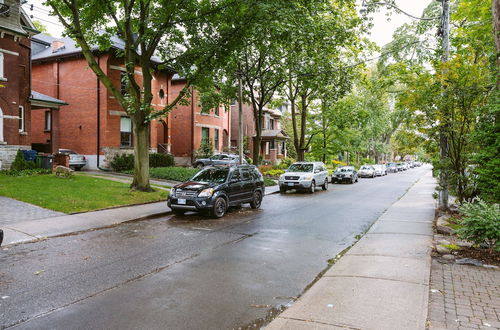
(71, 47)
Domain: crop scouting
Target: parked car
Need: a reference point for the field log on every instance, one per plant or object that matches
(366, 171)
(215, 188)
(220, 159)
(380, 170)
(400, 167)
(76, 161)
(392, 168)
(345, 174)
(304, 176)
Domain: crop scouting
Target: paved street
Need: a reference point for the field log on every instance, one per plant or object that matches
(190, 272)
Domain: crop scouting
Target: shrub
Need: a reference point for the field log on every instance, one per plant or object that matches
(123, 162)
(264, 168)
(481, 224)
(27, 172)
(286, 162)
(206, 149)
(273, 173)
(173, 173)
(20, 163)
(268, 182)
(161, 160)
(338, 163)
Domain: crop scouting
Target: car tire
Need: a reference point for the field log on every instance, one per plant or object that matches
(178, 212)
(199, 166)
(313, 187)
(257, 200)
(325, 185)
(282, 190)
(219, 208)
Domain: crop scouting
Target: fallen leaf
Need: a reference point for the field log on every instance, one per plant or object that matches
(38, 272)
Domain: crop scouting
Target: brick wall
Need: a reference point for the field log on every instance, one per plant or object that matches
(186, 131)
(75, 126)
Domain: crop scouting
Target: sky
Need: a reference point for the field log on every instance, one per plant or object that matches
(381, 32)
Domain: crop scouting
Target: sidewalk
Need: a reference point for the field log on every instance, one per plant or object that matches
(382, 282)
(33, 230)
(39, 223)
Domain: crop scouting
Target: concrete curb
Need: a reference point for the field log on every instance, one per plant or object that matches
(382, 281)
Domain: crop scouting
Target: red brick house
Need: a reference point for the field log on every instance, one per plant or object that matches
(273, 141)
(16, 30)
(191, 125)
(93, 123)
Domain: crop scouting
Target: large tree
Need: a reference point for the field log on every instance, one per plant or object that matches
(191, 36)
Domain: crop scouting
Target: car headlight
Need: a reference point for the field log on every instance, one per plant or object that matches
(172, 191)
(307, 178)
(282, 177)
(206, 192)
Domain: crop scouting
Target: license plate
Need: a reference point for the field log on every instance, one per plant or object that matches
(290, 184)
(181, 201)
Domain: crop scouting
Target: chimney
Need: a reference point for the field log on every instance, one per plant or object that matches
(56, 45)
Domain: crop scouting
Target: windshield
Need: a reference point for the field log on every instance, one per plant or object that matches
(344, 169)
(212, 175)
(366, 167)
(301, 168)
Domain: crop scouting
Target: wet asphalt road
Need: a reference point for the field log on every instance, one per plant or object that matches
(190, 272)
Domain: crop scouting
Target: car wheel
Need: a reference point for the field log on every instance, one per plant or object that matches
(313, 187)
(178, 212)
(282, 190)
(325, 185)
(257, 200)
(199, 166)
(220, 207)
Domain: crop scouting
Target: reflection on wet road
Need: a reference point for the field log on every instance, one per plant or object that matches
(190, 272)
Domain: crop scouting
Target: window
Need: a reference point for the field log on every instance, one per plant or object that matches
(216, 139)
(217, 111)
(246, 174)
(271, 123)
(271, 144)
(125, 132)
(48, 121)
(161, 94)
(22, 119)
(205, 134)
(1, 65)
(236, 175)
(123, 83)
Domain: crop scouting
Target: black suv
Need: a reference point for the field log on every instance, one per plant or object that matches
(215, 188)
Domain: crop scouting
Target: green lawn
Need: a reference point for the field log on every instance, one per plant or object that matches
(78, 194)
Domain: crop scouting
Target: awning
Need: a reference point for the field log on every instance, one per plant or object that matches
(42, 101)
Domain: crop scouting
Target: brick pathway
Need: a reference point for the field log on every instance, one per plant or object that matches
(13, 211)
(463, 297)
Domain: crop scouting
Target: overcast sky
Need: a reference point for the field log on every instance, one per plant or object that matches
(381, 32)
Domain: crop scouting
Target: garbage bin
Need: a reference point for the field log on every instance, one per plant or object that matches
(29, 155)
(45, 161)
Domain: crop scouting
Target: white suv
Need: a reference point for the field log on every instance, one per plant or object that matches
(304, 176)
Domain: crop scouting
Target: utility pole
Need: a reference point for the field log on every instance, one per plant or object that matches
(240, 118)
(443, 134)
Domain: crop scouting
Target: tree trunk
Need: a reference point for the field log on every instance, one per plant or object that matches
(258, 137)
(302, 138)
(141, 153)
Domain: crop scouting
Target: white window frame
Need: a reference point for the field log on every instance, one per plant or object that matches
(22, 119)
(1, 126)
(2, 77)
(48, 121)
